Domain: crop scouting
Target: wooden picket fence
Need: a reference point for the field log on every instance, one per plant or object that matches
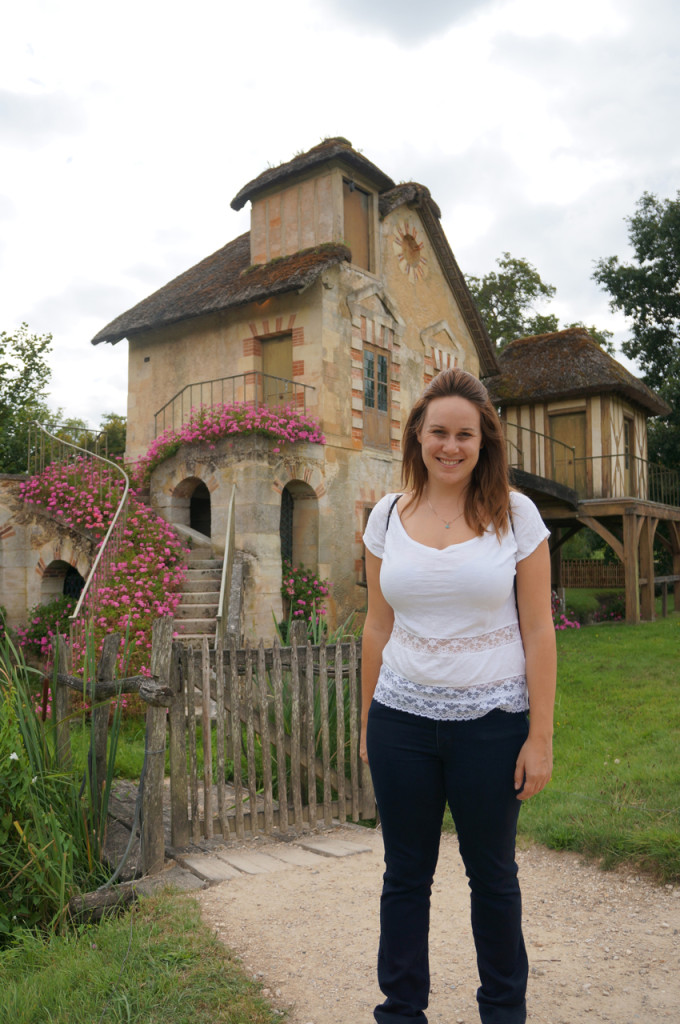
(277, 730)
(283, 754)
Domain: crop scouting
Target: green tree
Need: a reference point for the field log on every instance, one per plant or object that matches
(507, 303)
(507, 299)
(24, 373)
(114, 427)
(647, 290)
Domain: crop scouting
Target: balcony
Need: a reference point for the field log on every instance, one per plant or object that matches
(619, 475)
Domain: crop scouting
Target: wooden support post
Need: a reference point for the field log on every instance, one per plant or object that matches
(153, 838)
(674, 530)
(61, 708)
(647, 610)
(630, 566)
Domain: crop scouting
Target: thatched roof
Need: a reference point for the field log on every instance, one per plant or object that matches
(330, 149)
(220, 282)
(565, 364)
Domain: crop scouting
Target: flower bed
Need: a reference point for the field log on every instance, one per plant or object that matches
(211, 424)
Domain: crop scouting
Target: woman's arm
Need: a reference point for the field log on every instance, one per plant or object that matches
(534, 764)
(377, 630)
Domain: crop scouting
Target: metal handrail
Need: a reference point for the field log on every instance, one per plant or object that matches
(110, 546)
(518, 461)
(227, 568)
(247, 388)
(651, 482)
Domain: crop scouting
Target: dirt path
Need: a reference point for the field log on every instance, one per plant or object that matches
(602, 946)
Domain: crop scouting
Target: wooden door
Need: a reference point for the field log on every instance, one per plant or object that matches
(569, 468)
(277, 367)
(357, 207)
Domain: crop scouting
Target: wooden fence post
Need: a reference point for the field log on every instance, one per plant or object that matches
(153, 838)
(61, 707)
(179, 816)
(100, 719)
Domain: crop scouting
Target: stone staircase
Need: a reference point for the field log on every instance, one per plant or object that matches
(196, 614)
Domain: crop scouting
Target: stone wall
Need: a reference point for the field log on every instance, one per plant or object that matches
(34, 554)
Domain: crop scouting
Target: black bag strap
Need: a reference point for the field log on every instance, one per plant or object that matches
(390, 511)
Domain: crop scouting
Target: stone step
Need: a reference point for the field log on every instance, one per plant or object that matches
(196, 575)
(201, 596)
(196, 611)
(204, 563)
(202, 585)
(194, 627)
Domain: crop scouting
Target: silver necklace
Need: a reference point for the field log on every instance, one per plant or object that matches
(447, 522)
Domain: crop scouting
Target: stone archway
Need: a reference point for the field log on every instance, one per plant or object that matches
(299, 524)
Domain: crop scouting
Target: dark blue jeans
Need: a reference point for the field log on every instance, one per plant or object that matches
(417, 765)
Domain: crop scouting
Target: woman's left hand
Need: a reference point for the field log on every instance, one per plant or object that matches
(534, 767)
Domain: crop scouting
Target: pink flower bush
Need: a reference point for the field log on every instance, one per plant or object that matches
(79, 494)
(142, 583)
(304, 592)
(560, 620)
(209, 424)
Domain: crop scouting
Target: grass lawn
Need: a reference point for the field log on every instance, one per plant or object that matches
(158, 964)
(615, 793)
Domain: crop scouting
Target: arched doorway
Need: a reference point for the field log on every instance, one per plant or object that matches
(60, 579)
(191, 506)
(299, 525)
(199, 509)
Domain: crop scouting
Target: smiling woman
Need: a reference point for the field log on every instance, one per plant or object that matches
(452, 659)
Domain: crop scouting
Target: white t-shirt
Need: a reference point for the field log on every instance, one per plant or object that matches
(455, 649)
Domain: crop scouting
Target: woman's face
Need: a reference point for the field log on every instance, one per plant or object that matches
(450, 439)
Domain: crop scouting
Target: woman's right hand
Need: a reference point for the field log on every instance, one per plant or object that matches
(363, 754)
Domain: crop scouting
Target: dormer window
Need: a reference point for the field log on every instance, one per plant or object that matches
(357, 226)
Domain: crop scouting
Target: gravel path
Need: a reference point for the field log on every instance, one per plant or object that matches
(602, 946)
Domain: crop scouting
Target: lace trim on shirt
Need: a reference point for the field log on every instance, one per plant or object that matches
(457, 645)
(443, 703)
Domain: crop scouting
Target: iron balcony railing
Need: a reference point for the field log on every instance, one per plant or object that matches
(617, 475)
(250, 388)
(110, 479)
(627, 476)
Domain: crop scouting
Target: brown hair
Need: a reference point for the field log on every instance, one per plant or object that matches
(487, 499)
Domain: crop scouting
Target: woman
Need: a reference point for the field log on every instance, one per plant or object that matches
(458, 645)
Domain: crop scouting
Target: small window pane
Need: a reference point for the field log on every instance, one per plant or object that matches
(369, 381)
(382, 383)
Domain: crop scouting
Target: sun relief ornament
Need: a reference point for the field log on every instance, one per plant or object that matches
(408, 248)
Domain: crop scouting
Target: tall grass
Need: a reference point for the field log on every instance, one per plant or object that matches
(51, 822)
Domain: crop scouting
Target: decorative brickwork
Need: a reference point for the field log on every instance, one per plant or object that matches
(252, 347)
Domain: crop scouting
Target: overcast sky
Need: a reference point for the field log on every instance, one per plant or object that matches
(126, 129)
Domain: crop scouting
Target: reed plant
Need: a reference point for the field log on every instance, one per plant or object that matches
(52, 823)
